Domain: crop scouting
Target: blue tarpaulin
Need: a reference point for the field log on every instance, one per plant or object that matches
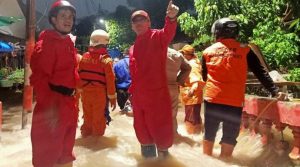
(5, 47)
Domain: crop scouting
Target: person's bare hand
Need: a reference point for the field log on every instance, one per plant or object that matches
(190, 92)
(280, 96)
(113, 103)
(172, 10)
(79, 90)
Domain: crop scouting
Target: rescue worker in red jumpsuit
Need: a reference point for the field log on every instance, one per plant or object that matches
(225, 65)
(54, 78)
(78, 58)
(97, 82)
(150, 97)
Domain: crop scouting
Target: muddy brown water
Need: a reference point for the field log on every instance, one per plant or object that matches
(120, 148)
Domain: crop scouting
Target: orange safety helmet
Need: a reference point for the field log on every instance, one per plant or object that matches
(188, 50)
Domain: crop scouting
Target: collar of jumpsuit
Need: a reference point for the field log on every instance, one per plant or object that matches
(97, 51)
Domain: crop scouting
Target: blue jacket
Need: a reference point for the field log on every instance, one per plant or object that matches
(121, 68)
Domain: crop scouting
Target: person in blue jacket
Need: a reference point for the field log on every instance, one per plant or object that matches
(123, 80)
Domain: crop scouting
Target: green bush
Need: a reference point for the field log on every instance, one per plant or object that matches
(4, 72)
(17, 76)
(294, 75)
(279, 47)
(261, 22)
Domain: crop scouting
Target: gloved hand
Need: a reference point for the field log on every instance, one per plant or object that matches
(113, 103)
(281, 96)
(172, 10)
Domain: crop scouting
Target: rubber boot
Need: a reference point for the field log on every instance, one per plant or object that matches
(226, 150)
(70, 164)
(148, 151)
(208, 147)
(163, 154)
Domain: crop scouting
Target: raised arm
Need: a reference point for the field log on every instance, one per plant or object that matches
(169, 30)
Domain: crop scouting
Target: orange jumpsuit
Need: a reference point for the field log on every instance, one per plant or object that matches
(97, 81)
(193, 102)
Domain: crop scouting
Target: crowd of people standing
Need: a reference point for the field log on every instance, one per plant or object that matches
(149, 76)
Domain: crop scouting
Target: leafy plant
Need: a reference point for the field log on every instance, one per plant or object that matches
(120, 33)
(294, 75)
(4, 72)
(295, 25)
(260, 22)
(17, 76)
(280, 48)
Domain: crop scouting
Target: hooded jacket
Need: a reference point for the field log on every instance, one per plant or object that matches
(54, 61)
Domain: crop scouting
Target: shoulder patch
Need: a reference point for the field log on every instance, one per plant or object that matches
(105, 59)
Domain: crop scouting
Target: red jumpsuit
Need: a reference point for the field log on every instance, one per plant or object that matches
(54, 118)
(97, 81)
(150, 96)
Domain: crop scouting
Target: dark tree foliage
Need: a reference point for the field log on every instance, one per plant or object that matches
(271, 24)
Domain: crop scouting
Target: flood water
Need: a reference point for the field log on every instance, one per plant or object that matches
(120, 148)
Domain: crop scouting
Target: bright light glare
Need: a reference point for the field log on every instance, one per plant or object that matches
(101, 21)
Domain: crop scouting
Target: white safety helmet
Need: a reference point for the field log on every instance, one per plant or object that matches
(99, 37)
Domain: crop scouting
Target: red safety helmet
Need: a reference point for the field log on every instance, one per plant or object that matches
(60, 4)
(140, 13)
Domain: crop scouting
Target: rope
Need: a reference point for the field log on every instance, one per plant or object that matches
(263, 111)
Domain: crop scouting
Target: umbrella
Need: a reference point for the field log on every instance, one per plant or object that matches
(5, 47)
(7, 20)
(84, 9)
(12, 20)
